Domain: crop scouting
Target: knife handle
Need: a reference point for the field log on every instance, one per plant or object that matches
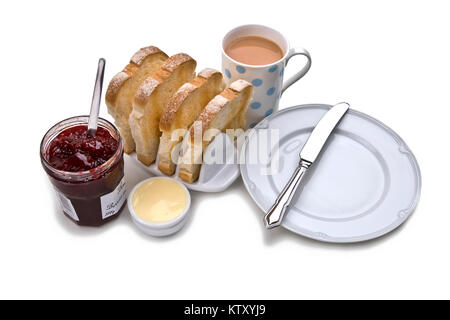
(275, 215)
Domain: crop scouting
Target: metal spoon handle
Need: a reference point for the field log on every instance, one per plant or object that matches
(96, 98)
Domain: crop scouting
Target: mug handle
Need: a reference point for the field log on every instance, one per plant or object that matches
(294, 52)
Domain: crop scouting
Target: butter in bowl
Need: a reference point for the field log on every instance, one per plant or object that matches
(159, 206)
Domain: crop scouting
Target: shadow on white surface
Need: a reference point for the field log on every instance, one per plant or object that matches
(277, 235)
(134, 174)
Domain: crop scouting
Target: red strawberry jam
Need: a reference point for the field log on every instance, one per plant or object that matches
(87, 173)
(73, 150)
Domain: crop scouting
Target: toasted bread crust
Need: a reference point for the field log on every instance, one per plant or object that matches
(150, 100)
(130, 69)
(235, 99)
(165, 168)
(115, 84)
(145, 90)
(216, 104)
(149, 85)
(174, 105)
(187, 176)
(174, 61)
(177, 100)
(139, 57)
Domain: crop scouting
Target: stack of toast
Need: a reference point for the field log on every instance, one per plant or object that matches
(159, 103)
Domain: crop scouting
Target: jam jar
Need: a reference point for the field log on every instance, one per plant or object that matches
(86, 172)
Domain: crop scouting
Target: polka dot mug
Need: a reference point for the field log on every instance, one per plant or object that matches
(266, 79)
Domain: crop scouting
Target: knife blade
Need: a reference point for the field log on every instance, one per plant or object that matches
(308, 155)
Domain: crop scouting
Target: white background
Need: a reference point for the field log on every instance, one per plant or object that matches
(390, 59)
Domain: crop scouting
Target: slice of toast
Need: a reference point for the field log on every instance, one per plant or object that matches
(224, 111)
(151, 98)
(183, 108)
(123, 86)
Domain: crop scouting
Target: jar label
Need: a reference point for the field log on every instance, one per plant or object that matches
(67, 206)
(112, 202)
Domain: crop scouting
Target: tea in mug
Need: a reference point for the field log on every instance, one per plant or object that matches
(254, 50)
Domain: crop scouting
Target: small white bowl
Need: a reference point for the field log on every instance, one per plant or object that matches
(160, 229)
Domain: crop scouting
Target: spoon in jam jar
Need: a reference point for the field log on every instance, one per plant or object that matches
(96, 98)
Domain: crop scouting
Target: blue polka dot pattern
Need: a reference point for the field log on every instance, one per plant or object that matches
(269, 112)
(273, 68)
(271, 91)
(253, 125)
(255, 105)
(282, 72)
(257, 82)
(228, 73)
(240, 69)
(279, 95)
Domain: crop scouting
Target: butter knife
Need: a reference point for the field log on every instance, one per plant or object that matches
(308, 155)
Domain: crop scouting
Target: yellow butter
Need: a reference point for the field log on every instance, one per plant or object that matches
(159, 200)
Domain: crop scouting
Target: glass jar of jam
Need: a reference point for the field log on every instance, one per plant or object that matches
(86, 172)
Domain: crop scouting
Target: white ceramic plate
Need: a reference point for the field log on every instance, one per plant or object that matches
(214, 177)
(365, 184)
